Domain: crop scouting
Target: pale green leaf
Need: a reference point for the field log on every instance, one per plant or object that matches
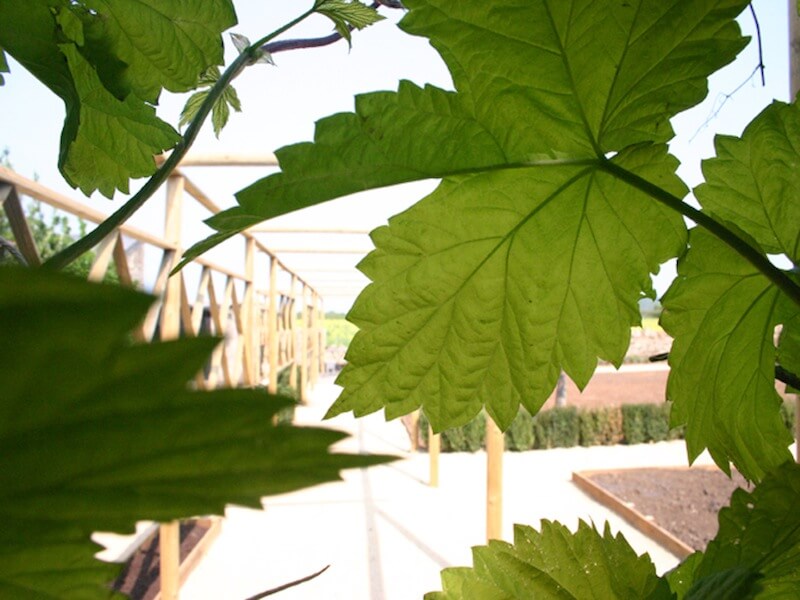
(3, 66)
(220, 112)
(192, 107)
(105, 141)
(722, 313)
(554, 564)
(751, 178)
(112, 434)
(549, 79)
(756, 552)
(162, 45)
(545, 91)
(346, 14)
(490, 287)
(219, 115)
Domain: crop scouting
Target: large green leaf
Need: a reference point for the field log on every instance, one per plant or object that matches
(554, 564)
(484, 291)
(756, 552)
(546, 91)
(96, 433)
(100, 62)
(3, 66)
(751, 179)
(158, 45)
(535, 81)
(722, 313)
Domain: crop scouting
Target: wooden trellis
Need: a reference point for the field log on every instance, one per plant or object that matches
(255, 318)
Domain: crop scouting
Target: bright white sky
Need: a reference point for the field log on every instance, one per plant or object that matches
(281, 104)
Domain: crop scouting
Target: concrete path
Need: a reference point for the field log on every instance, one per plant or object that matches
(385, 533)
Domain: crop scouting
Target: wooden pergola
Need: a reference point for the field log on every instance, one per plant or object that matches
(254, 305)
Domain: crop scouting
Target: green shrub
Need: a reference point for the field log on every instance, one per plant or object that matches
(467, 438)
(643, 423)
(600, 426)
(557, 428)
(788, 414)
(519, 436)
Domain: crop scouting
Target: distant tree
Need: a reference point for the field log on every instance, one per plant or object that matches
(49, 234)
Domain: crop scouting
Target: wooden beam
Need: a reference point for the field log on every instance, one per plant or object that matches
(325, 230)
(266, 159)
(293, 332)
(102, 258)
(434, 447)
(169, 542)
(249, 330)
(19, 224)
(494, 480)
(170, 329)
(272, 325)
(321, 250)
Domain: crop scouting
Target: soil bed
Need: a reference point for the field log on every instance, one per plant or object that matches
(684, 501)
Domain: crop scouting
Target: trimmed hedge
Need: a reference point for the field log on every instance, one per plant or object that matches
(566, 427)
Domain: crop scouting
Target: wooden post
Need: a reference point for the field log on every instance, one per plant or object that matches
(304, 347)
(794, 88)
(293, 333)
(169, 533)
(169, 542)
(272, 325)
(323, 337)
(314, 329)
(434, 446)
(9, 199)
(250, 330)
(494, 481)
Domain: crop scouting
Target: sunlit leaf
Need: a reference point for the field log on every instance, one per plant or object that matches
(112, 434)
(484, 291)
(722, 313)
(750, 179)
(347, 14)
(554, 563)
(220, 112)
(756, 552)
(160, 45)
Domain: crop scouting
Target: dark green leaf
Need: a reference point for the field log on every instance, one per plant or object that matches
(98, 56)
(3, 66)
(722, 313)
(220, 112)
(115, 141)
(554, 564)
(112, 434)
(348, 14)
(751, 177)
(161, 45)
(756, 552)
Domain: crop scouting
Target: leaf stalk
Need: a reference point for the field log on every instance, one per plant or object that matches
(755, 257)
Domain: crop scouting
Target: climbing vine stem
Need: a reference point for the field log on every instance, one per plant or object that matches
(752, 255)
(89, 241)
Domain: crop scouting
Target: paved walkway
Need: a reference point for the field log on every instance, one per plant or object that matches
(385, 533)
